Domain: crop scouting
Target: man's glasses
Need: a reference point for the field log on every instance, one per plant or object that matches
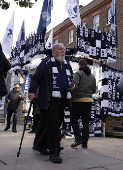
(61, 49)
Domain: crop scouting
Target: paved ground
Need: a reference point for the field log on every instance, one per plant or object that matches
(102, 154)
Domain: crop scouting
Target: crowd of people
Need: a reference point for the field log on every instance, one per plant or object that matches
(58, 87)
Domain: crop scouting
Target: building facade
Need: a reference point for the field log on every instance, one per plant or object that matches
(94, 15)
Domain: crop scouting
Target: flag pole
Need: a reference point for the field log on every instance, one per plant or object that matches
(46, 21)
(78, 19)
(115, 24)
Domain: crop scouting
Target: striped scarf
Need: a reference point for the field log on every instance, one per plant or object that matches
(55, 75)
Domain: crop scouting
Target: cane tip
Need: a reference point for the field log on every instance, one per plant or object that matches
(18, 154)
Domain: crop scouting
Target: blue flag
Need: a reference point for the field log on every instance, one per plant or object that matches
(113, 20)
(21, 36)
(45, 17)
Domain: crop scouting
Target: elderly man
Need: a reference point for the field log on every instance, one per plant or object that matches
(53, 77)
(13, 99)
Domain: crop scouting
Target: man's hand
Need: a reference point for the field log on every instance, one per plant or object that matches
(8, 101)
(72, 86)
(31, 96)
(19, 96)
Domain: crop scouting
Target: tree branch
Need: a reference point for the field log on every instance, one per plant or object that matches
(22, 3)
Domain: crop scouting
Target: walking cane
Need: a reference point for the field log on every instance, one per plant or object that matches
(18, 153)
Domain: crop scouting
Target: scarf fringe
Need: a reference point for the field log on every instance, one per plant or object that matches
(68, 95)
(56, 94)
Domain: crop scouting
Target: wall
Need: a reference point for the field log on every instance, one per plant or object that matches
(111, 121)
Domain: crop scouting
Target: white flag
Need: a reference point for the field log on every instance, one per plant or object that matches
(49, 42)
(72, 7)
(8, 37)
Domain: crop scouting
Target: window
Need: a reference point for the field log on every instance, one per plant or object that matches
(56, 41)
(71, 36)
(96, 22)
(109, 15)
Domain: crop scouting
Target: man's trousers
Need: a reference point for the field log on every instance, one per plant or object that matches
(15, 118)
(82, 109)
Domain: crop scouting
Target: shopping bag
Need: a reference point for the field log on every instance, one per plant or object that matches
(120, 86)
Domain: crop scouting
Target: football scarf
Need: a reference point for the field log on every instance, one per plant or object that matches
(56, 79)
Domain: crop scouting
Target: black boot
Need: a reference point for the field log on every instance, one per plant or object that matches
(7, 127)
(14, 130)
(32, 131)
(55, 158)
(76, 143)
(84, 145)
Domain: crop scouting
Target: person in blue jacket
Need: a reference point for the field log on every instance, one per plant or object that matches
(5, 66)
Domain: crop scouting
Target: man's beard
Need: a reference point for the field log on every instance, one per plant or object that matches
(61, 59)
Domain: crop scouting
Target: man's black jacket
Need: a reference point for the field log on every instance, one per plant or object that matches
(13, 96)
(4, 67)
(42, 79)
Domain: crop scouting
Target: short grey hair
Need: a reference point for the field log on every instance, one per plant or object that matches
(56, 45)
(83, 62)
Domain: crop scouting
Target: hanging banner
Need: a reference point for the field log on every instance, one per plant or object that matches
(28, 50)
(111, 103)
(27, 83)
(97, 45)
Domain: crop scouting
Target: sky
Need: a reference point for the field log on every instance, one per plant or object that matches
(31, 17)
